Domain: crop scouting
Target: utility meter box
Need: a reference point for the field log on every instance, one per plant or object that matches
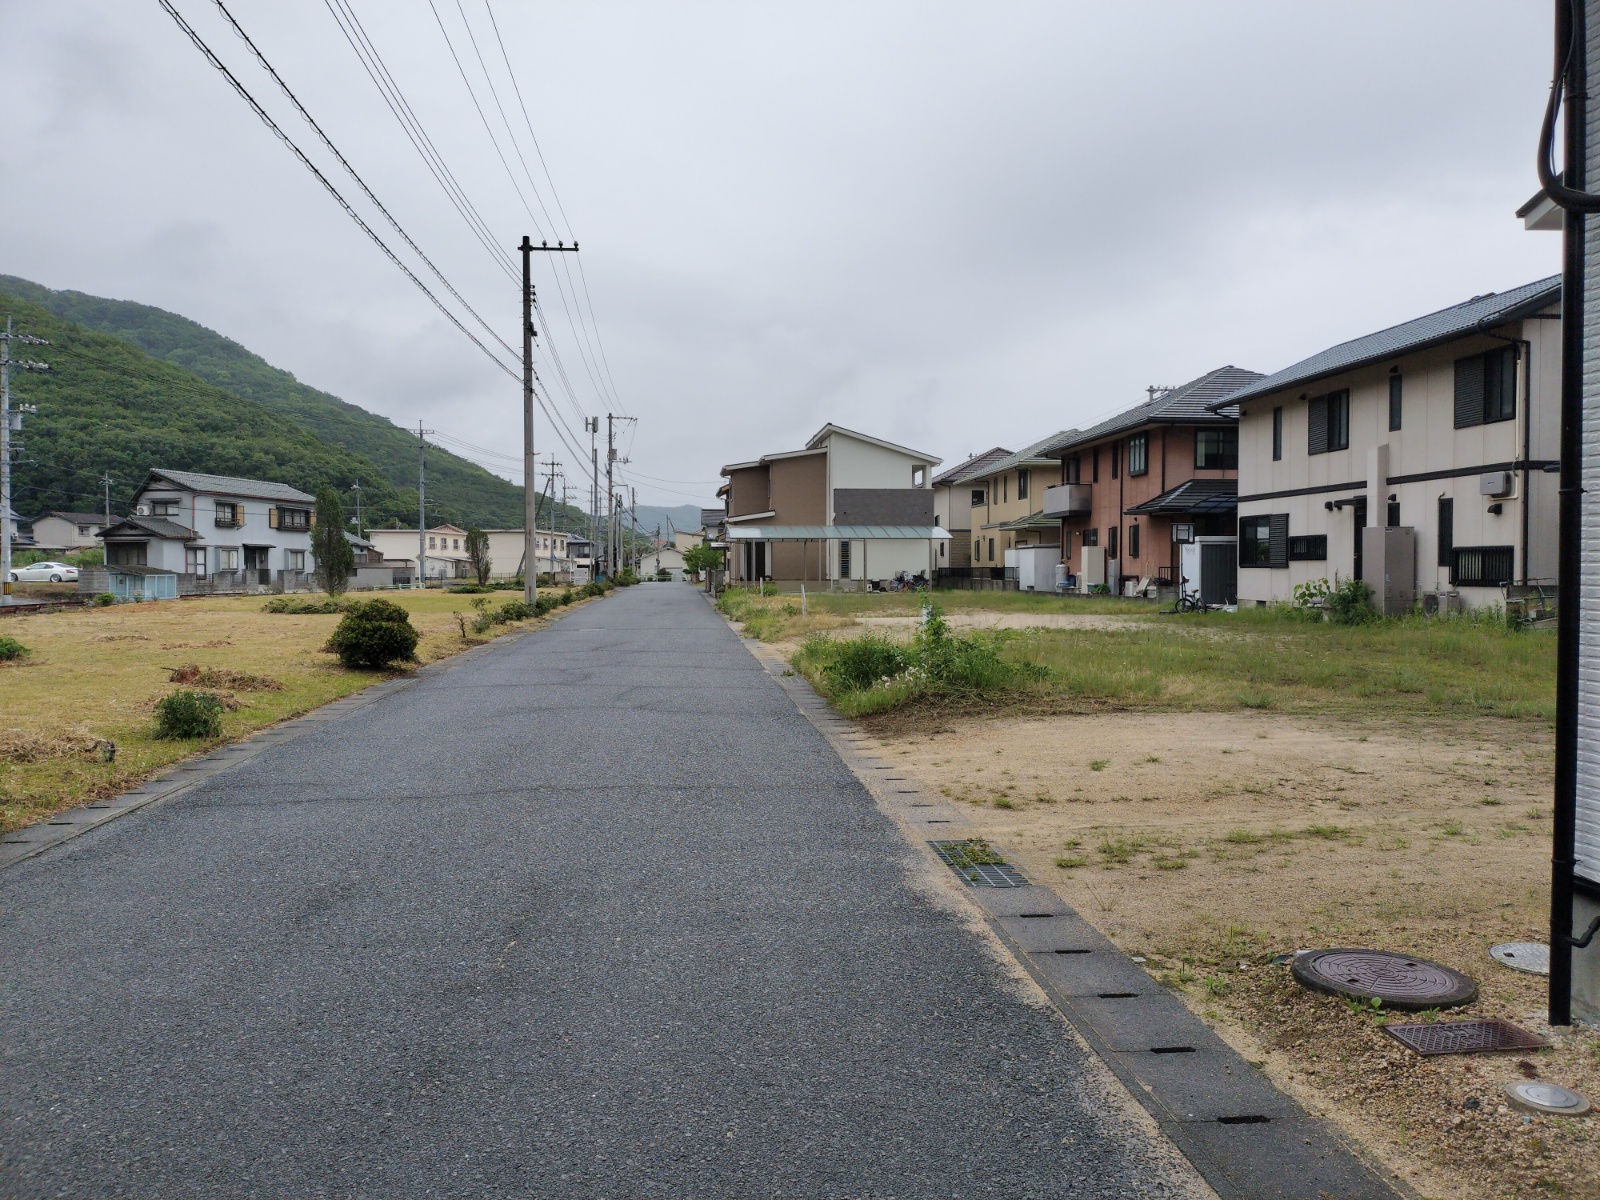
(1389, 565)
(1094, 568)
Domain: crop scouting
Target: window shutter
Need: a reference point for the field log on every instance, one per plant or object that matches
(1278, 540)
(273, 518)
(1469, 391)
(1317, 425)
(1447, 532)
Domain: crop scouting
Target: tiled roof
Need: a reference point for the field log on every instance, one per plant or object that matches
(1471, 316)
(229, 485)
(1039, 449)
(78, 518)
(971, 467)
(155, 526)
(1192, 496)
(710, 518)
(1189, 404)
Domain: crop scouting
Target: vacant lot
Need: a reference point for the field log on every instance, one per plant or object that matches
(94, 674)
(1214, 791)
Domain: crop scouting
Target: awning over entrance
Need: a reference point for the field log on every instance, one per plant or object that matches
(845, 533)
(1193, 497)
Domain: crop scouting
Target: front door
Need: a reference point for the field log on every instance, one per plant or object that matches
(255, 560)
(1358, 511)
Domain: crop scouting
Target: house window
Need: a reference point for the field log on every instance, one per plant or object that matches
(1138, 457)
(85, 529)
(1133, 540)
(1005, 489)
(1096, 478)
(1277, 433)
(1482, 566)
(194, 561)
(1395, 390)
(1023, 479)
(455, 543)
(1392, 516)
(167, 508)
(1486, 388)
(918, 476)
(1447, 531)
(430, 542)
(844, 560)
(1071, 469)
(294, 560)
(1091, 537)
(1328, 423)
(229, 514)
(980, 497)
(291, 518)
(991, 549)
(1310, 547)
(1216, 449)
(1112, 535)
(1115, 458)
(1264, 541)
(227, 558)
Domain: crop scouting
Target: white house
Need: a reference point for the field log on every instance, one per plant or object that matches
(955, 494)
(847, 507)
(67, 531)
(1442, 431)
(216, 532)
(447, 555)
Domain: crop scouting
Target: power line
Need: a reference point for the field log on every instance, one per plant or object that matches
(361, 183)
(267, 120)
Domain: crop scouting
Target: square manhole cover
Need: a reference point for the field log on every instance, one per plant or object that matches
(1464, 1037)
(979, 863)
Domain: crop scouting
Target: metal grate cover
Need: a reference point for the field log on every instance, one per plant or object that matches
(1465, 1037)
(1398, 980)
(978, 864)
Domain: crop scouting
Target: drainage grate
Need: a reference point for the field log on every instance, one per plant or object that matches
(976, 862)
(1246, 1119)
(1171, 1049)
(1395, 979)
(1465, 1037)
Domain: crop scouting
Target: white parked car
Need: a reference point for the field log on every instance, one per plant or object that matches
(46, 572)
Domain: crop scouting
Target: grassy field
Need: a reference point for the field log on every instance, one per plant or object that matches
(94, 674)
(1124, 654)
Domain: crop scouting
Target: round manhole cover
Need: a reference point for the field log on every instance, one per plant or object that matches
(1547, 1098)
(1399, 980)
(1532, 957)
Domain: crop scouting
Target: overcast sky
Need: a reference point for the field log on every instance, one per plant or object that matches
(951, 225)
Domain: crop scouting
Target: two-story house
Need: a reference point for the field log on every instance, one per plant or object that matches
(446, 556)
(216, 532)
(1007, 498)
(846, 507)
(954, 500)
(1429, 448)
(68, 531)
(1139, 484)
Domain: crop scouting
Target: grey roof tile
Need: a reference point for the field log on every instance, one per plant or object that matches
(156, 526)
(1481, 312)
(1188, 404)
(971, 467)
(229, 485)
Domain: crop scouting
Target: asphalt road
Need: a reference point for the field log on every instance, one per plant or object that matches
(595, 914)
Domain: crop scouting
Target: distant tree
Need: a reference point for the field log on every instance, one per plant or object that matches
(701, 557)
(477, 547)
(334, 557)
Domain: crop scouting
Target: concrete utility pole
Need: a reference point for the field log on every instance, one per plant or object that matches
(551, 492)
(356, 488)
(107, 481)
(10, 422)
(592, 424)
(633, 528)
(614, 522)
(422, 506)
(530, 465)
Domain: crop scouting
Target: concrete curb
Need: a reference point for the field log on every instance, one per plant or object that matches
(33, 840)
(1247, 1139)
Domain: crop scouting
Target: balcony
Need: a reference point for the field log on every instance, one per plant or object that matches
(1068, 500)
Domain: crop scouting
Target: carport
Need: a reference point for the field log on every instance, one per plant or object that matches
(865, 534)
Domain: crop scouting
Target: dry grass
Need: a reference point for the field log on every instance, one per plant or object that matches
(93, 674)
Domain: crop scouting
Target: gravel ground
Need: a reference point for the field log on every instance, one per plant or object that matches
(597, 914)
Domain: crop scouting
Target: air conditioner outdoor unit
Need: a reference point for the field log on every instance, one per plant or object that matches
(1437, 603)
(1496, 483)
(141, 510)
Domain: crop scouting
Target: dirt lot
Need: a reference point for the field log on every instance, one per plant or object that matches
(1211, 842)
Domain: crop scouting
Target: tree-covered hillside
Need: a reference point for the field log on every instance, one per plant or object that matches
(132, 387)
(458, 490)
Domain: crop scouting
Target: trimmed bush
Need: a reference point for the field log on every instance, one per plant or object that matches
(11, 649)
(105, 599)
(513, 610)
(288, 604)
(188, 714)
(374, 634)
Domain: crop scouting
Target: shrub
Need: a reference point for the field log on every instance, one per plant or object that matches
(188, 714)
(471, 589)
(513, 610)
(374, 634)
(1344, 601)
(105, 599)
(288, 604)
(593, 588)
(859, 663)
(11, 649)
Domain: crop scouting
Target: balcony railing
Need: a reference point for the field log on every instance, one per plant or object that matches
(1068, 500)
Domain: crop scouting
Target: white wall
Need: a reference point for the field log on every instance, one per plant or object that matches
(853, 463)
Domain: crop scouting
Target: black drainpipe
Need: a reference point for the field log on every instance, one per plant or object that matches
(1569, 32)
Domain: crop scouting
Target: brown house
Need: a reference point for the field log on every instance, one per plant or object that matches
(791, 489)
(1129, 484)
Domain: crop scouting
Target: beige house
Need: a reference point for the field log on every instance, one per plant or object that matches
(1421, 458)
(953, 499)
(447, 557)
(1007, 499)
(66, 531)
(847, 507)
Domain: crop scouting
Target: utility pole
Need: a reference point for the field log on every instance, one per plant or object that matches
(356, 488)
(633, 527)
(530, 464)
(613, 524)
(592, 425)
(10, 422)
(107, 481)
(422, 505)
(551, 492)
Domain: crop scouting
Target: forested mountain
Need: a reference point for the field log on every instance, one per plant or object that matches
(133, 387)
